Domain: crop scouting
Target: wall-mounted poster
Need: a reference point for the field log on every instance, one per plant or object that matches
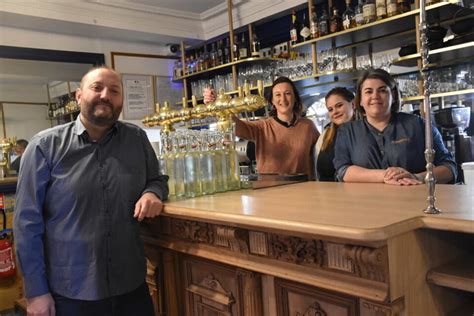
(138, 96)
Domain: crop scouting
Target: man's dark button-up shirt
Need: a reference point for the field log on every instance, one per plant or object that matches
(400, 144)
(74, 226)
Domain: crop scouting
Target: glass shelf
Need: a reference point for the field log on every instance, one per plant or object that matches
(466, 92)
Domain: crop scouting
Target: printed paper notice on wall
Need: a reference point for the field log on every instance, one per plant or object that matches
(138, 96)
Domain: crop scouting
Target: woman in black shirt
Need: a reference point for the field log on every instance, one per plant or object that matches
(340, 106)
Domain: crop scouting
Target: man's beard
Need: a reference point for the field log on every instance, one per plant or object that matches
(106, 120)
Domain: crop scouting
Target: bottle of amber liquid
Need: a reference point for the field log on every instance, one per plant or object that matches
(335, 23)
(369, 11)
(381, 9)
(314, 24)
(392, 8)
(324, 23)
(348, 17)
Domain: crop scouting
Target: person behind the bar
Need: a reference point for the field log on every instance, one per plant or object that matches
(19, 149)
(387, 146)
(340, 106)
(285, 141)
(83, 189)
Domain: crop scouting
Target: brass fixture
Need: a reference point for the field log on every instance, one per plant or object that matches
(222, 108)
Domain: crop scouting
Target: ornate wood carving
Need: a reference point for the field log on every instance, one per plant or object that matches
(297, 250)
(251, 293)
(258, 243)
(368, 263)
(336, 259)
(313, 310)
(233, 238)
(192, 231)
(211, 297)
(394, 309)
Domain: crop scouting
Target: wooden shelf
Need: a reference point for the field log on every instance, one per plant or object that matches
(458, 275)
(391, 26)
(247, 60)
(460, 51)
(62, 115)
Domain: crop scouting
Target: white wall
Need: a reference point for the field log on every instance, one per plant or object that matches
(25, 120)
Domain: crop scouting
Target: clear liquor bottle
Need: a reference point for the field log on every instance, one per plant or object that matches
(255, 45)
(220, 163)
(179, 148)
(232, 162)
(348, 17)
(165, 160)
(304, 32)
(235, 48)
(192, 170)
(208, 169)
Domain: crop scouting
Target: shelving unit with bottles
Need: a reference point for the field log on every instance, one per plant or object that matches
(62, 103)
(340, 56)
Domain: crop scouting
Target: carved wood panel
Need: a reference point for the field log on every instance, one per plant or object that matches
(360, 261)
(294, 299)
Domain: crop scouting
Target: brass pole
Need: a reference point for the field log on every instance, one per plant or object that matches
(3, 121)
(231, 36)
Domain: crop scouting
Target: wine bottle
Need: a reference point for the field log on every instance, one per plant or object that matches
(293, 29)
(243, 49)
(335, 23)
(324, 23)
(314, 24)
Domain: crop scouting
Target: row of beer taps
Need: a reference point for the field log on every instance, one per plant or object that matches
(222, 108)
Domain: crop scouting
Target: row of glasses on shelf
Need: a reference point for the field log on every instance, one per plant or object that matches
(199, 162)
(442, 80)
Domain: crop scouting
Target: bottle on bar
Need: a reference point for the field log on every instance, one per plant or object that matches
(348, 17)
(369, 11)
(205, 58)
(192, 171)
(232, 161)
(166, 161)
(243, 49)
(335, 23)
(220, 163)
(235, 48)
(381, 9)
(255, 45)
(293, 29)
(178, 166)
(208, 169)
(304, 32)
(314, 24)
(359, 13)
(324, 23)
(392, 8)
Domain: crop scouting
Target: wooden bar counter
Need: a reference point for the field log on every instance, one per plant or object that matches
(314, 248)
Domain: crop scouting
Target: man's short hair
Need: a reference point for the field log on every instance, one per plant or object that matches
(22, 143)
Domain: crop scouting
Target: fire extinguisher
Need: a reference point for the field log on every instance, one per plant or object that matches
(7, 259)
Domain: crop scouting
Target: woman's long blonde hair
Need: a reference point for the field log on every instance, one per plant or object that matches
(330, 134)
